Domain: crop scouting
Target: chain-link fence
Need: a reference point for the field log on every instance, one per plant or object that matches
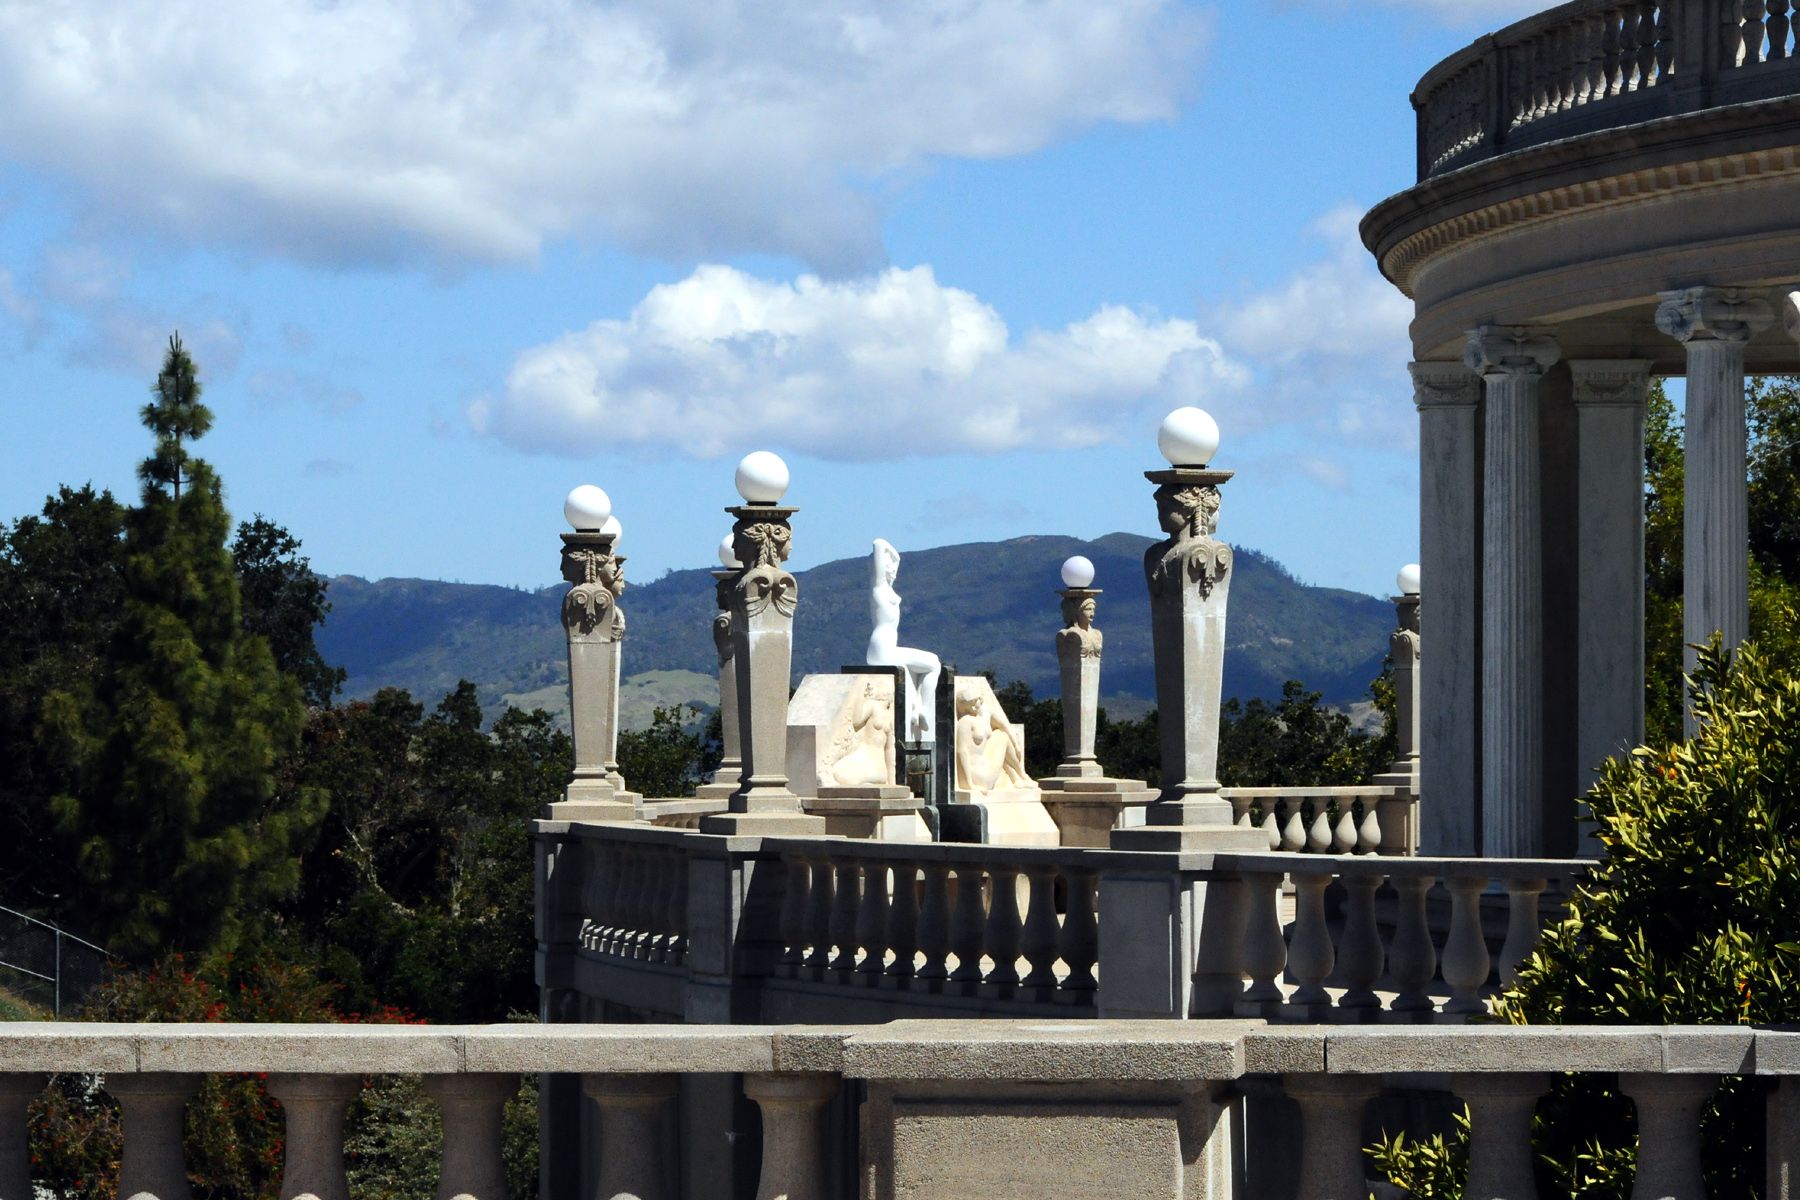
(46, 967)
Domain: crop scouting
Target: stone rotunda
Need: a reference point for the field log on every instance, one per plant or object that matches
(1608, 192)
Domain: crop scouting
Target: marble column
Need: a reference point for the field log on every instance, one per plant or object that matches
(764, 597)
(1609, 617)
(725, 781)
(1447, 396)
(1713, 324)
(1511, 361)
(1189, 577)
(595, 627)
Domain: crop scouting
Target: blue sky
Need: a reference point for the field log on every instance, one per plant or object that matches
(440, 262)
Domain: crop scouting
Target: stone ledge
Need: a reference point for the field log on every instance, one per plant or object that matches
(1048, 1051)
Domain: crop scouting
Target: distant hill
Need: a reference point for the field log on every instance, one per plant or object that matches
(979, 606)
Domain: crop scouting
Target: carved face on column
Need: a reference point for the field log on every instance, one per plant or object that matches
(760, 543)
(1078, 612)
(1187, 512)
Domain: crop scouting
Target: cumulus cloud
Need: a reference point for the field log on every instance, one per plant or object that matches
(380, 130)
(885, 366)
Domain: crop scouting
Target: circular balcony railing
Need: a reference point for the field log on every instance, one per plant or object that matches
(1592, 65)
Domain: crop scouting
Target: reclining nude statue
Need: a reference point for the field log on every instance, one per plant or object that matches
(987, 757)
(868, 759)
(885, 650)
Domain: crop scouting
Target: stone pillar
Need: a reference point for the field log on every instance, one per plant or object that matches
(17, 1091)
(312, 1162)
(1447, 396)
(151, 1107)
(631, 1134)
(1511, 361)
(764, 596)
(1083, 802)
(730, 773)
(793, 1152)
(595, 626)
(1714, 324)
(473, 1108)
(1668, 1119)
(1332, 1162)
(1189, 576)
(1399, 816)
(1609, 618)
(1500, 1109)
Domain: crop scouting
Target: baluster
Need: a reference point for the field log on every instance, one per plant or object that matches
(934, 922)
(656, 937)
(473, 1108)
(643, 906)
(794, 872)
(843, 915)
(1412, 959)
(871, 922)
(1040, 933)
(1359, 950)
(1293, 834)
(903, 920)
(1003, 926)
(1629, 24)
(1778, 26)
(1344, 835)
(1500, 1108)
(1571, 66)
(1750, 37)
(793, 1151)
(1610, 46)
(1587, 60)
(1271, 826)
(1265, 951)
(966, 922)
(1665, 40)
(1522, 928)
(312, 1157)
(1369, 832)
(1331, 1143)
(1731, 33)
(1668, 1121)
(631, 1109)
(1318, 838)
(151, 1105)
(819, 920)
(1781, 1128)
(1080, 932)
(1240, 811)
(1466, 959)
(17, 1091)
(631, 892)
(617, 867)
(1310, 956)
(675, 916)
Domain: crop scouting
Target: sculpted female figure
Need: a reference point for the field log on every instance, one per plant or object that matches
(885, 650)
(986, 755)
(869, 760)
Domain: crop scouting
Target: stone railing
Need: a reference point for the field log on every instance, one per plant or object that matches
(996, 1109)
(1599, 64)
(1359, 819)
(667, 924)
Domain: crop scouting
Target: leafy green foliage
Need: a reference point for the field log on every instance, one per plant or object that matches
(1429, 1168)
(671, 757)
(284, 602)
(1298, 742)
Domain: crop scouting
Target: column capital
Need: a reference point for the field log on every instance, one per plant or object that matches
(1712, 314)
(1510, 350)
(1611, 382)
(1444, 385)
(1790, 313)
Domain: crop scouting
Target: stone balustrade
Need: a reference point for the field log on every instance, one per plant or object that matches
(668, 924)
(995, 1109)
(1330, 820)
(1600, 64)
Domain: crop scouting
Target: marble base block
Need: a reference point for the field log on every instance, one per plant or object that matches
(1087, 810)
(882, 813)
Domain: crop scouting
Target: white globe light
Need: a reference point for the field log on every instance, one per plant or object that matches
(587, 508)
(727, 555)
(612, 528)
(762, 478)
(1077, 572)
(1189, 437)
(1408, 579)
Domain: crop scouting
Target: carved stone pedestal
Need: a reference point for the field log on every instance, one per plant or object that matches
(731, 765)
(595, 626)
(886, 813)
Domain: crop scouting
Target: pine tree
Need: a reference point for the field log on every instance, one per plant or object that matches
(175, 821)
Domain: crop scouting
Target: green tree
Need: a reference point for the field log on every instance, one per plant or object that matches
(284, 601)
(1297, 742)
(170, 751)
(1663, 481)
(669, 758)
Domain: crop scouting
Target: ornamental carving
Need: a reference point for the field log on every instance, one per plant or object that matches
(763, 586)
(598, 577)
(722, 637)
(1190, 555)
(1510, 350)
(1712, 314)
(1078, 638)
(761, 543)
(1611, 383)
(1403, 643)
(1444, 385)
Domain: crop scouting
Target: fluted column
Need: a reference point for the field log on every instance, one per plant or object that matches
(1448, 399)
(793, 1159)
(1609, 702)
(730, 773)
(473, 1109)
(151, 1106)
(312, 1162)
(1511, 361)
(595, 627)
(631, 1115)
(1714, 324)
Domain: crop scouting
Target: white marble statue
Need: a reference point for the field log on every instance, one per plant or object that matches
(885, 650)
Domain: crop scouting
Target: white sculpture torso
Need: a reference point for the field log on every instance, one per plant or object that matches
(885, 650)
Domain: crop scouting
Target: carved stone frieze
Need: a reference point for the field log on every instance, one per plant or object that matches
(1712, 314)
(1510, 350)
(1444, 385)
(1611, 383)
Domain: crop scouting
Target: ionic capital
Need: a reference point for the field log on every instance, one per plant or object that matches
(1611, 382)
(1790, 314)
(1510, 350)
(1711, 314)
(1444, 385)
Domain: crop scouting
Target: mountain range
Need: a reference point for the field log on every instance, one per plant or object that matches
(983, 606)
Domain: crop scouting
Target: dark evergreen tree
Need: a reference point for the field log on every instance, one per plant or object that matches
(170, 753)
(284, 601)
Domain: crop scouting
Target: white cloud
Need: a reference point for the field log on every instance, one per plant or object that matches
(376, 130)
(1455, 13)
(886, 366)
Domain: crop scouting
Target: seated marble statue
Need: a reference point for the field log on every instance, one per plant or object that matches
(885, 650)
(869, 758)
(987, 757)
